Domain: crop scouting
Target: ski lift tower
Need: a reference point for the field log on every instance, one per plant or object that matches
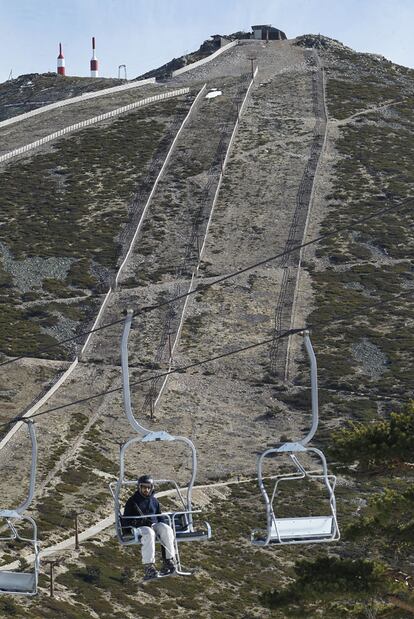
(252, 58)
(122, 66)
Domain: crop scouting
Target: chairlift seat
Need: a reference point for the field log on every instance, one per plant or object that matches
(192, 536)
(18, 582)
(181, 536)
(304, 528)
(24, 583)
(183, 531)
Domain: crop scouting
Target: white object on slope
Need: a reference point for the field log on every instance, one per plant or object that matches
(213, 93)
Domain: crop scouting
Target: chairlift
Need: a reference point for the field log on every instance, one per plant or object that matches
(181, 521)
(14, 521)
(308, 529)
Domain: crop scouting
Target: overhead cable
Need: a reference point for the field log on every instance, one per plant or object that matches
(146, 379)
(203, 286)
(181, 369)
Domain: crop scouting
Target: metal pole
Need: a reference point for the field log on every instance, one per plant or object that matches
(252, 59)
(122, 66)
(169, 332)
(76, 532)
(52, 588)
(314, 389)
(125, 375)
(52, 576)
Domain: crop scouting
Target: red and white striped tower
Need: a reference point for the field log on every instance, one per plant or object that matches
(94, 62)
(60, 61)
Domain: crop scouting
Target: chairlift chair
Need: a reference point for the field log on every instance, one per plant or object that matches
(308, 529)
(24, 582)
(181, 521)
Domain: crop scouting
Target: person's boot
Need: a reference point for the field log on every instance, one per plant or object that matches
(168, 567)
(150, 571)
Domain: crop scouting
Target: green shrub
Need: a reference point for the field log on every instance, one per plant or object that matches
(92, 575)
(387, 519)
(331, 578)
(378, 444)
(8, 608)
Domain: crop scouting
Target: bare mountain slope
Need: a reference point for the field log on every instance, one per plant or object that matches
(325, 138)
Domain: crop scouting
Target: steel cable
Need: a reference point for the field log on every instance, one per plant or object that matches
(203, 286)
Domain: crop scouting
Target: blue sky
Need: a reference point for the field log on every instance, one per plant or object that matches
(144, 34)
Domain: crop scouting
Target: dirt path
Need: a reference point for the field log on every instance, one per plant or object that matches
(200, 498)
(376, 108)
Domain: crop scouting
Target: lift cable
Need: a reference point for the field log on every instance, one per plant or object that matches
(184, 368)
(204, 286)
(178, 369)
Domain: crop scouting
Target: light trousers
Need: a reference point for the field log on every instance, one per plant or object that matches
(165, 533)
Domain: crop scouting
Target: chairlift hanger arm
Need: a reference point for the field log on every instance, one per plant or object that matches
(22, 582)
(18, 511)
(314, 389)
(32, 433)
(125, 375)
(314, 392)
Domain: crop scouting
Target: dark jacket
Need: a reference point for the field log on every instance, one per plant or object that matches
(139, 505)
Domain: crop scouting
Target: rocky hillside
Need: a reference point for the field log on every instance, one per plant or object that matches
(34, 90)
(324, 141)
(208, 47)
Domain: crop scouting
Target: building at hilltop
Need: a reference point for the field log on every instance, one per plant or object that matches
(266, 32)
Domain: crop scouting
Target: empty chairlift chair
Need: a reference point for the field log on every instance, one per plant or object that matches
(302, 529)
(14, 529)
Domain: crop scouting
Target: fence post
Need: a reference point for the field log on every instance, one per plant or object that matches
(76, 531)
(52, 564)
(169, 346)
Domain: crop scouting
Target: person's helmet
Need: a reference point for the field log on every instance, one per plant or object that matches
(146, 479)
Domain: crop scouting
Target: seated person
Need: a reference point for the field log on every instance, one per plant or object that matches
(144, 503)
